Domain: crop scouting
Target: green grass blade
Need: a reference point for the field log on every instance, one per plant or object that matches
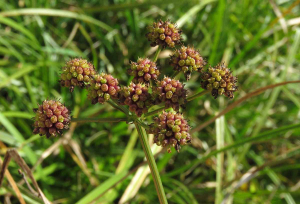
(18, 136)
(56, 12)
(261, 137)
(16, 75)
(220, 134)
(102, 188)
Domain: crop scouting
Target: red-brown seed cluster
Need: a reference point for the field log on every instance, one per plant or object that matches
(170, 129)
(76, 72)
(187, 60)
(220, 81)
(51, 118)
(143, 71)
(171, 92)
(102, 88)
(137, 97)
(164, 33)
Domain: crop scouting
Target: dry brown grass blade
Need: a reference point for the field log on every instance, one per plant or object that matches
(28, 184)
(11, 181)
(55, 146)
(279, 15)
(236, 103)
(13, 154)
(47, 153)
(81, 163)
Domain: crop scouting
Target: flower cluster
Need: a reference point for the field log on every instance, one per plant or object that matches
(51, 118)
(220, 81)
(187, 60)
(76, 72)
(164, 33)
(137, 97)
(102, 88)
(143, 71)
(171, 92)
(170, 129)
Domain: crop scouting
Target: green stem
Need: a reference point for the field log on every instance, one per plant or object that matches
(175, 75)
(98, 120)
(144, 125)
(190, 98)
(151, 162)
(157, 53)
(124, 108)
(154, 112)
(116, 106)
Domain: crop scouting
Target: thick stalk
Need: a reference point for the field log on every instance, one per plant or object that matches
(190, 98)
(154, 112)
(156, 54)
(98, 120)
(151, 162)
(115, 105)
(175, 75)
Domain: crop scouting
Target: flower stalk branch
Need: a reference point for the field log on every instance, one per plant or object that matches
(151, 162)
(98, 120)
(157, 53)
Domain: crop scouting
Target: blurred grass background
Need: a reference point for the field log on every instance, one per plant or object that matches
(103, 162)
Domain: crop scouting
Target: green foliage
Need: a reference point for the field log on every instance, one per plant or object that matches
(100, 160)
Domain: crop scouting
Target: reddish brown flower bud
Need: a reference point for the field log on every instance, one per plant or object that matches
(76, 72)
(170, 129)
(136, 96)
(220, 81)
(187, 60)
(163, 33)
(143, 71)
(171, 92)
(102, 88)
(49, 124)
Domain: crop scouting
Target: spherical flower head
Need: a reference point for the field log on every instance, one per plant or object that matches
(164, 33)
(171, 92)
(187, 60)
(137, 97)
(76, 72)
(51, 118)
(220, 81)
(170, 129)
(143, 71)
(102, 88)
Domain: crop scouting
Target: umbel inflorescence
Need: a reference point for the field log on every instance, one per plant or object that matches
(76, 72)
(144, 70)
(164, 33)
(187, 60)
(147, 89)
(51, 118)
(102, 88)
(137, 97)
(171, 92)
(220, 81)
(170, 129)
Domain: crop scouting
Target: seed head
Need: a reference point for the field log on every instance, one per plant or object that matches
(163, 33)
(187, 60)
(143, 71)
(170, 129)
(51, 118)
(171, 92)
(137, 97)
(102, 88)
(76, 72)
(220, 81)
